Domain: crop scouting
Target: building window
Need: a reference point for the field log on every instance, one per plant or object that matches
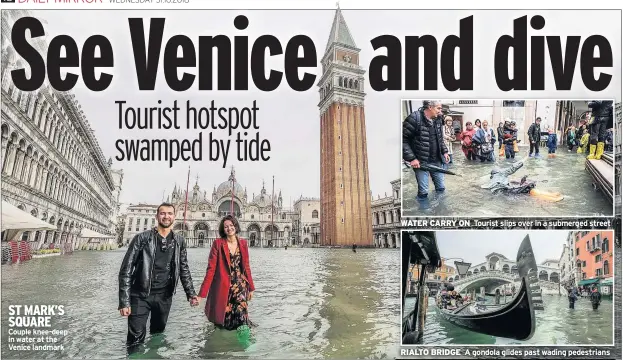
(514, 103)
(203, 215)
(598, 258)
(252, 216)
(577, 251)
(606, 246)
(606, 268)
(598, 272)
(339, 137)
(340, 168)
(340, 152)
(341, 186)
(342, 220)
(315, 214)
(584, 263)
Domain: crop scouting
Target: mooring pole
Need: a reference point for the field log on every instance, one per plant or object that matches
(422, 294)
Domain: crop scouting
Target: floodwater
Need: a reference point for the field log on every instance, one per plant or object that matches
(308, 303)
(465, 198)
(556, 325)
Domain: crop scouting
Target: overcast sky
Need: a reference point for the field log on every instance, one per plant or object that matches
(290, 120)
(474, 245)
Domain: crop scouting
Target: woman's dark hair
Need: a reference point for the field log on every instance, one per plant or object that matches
(477, 121)
(221, 226)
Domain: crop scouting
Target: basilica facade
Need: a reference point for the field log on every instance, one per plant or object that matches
(264, 221)
(52, 165)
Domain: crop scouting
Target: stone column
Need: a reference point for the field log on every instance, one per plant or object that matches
(43, 179)
(19, 161)
(5, 142)
(25, 173)
(9, 161)
(32, 172)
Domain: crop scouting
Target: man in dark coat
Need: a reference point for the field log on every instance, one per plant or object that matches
(534, 135)
(155, 262)
(600, 122)
(422, 144)
(595, 298)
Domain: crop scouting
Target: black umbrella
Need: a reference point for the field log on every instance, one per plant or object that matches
(433, 168)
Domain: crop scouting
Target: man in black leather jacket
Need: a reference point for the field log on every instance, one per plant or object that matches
(154, 262)
(422, 143)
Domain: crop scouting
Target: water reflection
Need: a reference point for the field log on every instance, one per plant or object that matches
(309, 303)
(464, 197)
(556, 325)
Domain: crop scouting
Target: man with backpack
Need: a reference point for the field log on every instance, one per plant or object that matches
(154, 262)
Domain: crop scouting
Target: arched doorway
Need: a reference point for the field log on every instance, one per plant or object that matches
(225, 209)
(200, 234)
(271, 235)
(254, 235)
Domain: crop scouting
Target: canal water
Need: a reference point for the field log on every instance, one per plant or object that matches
(556, 325)
(464, 197)
(308, 303)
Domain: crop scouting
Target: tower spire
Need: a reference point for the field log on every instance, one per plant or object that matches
(339, 32)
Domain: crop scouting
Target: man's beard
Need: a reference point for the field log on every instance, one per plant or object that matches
(165, 226)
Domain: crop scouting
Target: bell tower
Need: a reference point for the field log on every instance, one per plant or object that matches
(344, 181)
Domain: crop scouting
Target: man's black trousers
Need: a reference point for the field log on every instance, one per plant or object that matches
(156, 304)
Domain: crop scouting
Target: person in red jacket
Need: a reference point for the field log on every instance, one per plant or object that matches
(228, 284)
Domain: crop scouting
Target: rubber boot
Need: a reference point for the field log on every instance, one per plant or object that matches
(581, 149)
(600, 150)
(515, 146)
(502, 150)
(591, 155)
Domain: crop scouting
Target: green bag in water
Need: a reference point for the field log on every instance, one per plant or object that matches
(243, 333)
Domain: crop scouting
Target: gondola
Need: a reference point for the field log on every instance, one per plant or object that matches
(514, 320)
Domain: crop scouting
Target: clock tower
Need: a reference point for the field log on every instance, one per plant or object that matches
(344, 181)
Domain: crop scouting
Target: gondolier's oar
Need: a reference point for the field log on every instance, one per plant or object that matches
(432, 168)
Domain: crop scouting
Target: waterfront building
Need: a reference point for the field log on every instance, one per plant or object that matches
(52, 165)
(594, 258)
(386, 218)
(264, 221)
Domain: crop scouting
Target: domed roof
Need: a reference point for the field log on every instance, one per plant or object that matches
(225, 187)
(262, 200)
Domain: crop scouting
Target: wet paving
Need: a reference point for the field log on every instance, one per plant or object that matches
(309, 303)
(464, 197)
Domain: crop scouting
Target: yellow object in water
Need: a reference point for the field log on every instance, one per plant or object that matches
(546, 195)
(592, 148)
(515, 147)
(502, 150)
(600, 150)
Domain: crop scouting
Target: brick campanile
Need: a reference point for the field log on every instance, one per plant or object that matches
(345, 198)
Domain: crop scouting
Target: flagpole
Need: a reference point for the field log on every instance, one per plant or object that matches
(272, 213)
(186, 202)
(233, 182)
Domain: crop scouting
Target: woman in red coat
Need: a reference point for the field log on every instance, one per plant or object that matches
(228, 284)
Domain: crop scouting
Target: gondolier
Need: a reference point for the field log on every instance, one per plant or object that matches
(423, 144)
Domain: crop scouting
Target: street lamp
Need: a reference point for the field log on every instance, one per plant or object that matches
(461, 266)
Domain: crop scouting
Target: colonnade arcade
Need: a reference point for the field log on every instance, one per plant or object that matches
(203, 234)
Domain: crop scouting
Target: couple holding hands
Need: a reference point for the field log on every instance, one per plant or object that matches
(156, 260)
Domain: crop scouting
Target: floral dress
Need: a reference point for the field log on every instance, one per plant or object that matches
(236, 312)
